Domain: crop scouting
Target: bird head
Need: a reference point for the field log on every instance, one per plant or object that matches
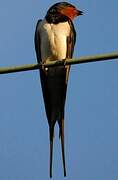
(65, 9)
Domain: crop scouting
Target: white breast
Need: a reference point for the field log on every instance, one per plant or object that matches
(53, 40)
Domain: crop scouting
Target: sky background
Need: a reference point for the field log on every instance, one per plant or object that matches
(91, 120)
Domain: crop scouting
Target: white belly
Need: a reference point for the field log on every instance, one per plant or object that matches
(53, 40)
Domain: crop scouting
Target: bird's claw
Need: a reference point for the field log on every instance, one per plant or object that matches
(43, 67)
(64, 61)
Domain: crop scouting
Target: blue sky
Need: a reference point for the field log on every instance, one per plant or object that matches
(91, 122)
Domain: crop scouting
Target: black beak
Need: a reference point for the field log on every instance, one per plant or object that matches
(79, 12)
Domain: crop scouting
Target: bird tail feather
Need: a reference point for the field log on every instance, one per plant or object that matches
(51, 148)
(61, 135)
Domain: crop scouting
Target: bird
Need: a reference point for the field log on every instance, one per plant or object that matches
(55, 38)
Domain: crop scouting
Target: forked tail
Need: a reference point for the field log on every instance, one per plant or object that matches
(61, 130)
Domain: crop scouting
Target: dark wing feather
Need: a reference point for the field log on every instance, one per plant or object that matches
(71, 40)
(37, 42)
(43, 75)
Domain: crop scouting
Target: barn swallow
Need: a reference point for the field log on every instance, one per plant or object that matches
(55, 39)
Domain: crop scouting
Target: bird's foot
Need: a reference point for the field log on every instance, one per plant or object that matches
(64, 62)
(43, 67)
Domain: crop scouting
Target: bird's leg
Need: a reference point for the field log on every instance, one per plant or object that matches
(62, 145)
